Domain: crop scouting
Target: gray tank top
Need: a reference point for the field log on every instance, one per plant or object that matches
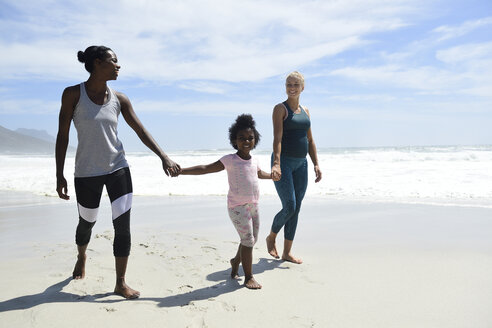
(99, 150)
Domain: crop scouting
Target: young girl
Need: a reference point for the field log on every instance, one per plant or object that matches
(243, 172)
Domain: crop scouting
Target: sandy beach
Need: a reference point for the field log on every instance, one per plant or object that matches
(366, 264)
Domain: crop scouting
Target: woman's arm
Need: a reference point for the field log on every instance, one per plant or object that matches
(169, 166)
(69, 100)
(203, 169)
(278, 122)
(313, 152)
(263, 175)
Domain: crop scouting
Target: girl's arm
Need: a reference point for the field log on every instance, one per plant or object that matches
(263, 175)
(169, 166)
(313, 153)
(278, 122)
(203, 169)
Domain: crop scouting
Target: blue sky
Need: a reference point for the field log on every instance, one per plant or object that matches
(378, 73)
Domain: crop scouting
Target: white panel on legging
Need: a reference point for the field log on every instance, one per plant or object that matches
(88, 214)
(121, 205)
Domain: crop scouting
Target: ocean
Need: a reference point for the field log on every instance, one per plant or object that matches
(443, 175)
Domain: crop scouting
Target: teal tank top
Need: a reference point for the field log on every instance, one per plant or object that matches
(294, 138)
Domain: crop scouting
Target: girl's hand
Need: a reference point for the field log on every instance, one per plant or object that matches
(317, 172)
(276, 172)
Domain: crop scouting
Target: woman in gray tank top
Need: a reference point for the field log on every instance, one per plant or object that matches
(292, 141)
(100, 160)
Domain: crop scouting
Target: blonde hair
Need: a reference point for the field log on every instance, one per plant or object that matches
(296, 75)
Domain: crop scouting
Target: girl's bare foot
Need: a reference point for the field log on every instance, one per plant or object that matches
(235, 268)
(251, 283)
(79, 269)
(124, 290)
(291, 258)
(272, 250)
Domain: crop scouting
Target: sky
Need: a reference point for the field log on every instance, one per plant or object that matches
(377, 72)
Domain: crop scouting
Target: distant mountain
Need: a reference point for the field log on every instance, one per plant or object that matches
(12, 142)
(40, 134)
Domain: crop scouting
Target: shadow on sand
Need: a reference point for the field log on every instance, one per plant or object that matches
(54, 293)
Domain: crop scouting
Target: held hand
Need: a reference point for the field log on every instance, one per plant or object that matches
(318, 173)
(276, 172)
(62, 189)
(171, 168)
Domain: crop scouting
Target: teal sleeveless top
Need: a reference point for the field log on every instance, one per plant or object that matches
(294, 138)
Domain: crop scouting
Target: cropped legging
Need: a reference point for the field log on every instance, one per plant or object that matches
(120, 191)
(291, 189)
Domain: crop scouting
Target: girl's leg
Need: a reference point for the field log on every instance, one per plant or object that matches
(235, 263)
(255, 224)
(247, 262)
(242, 219)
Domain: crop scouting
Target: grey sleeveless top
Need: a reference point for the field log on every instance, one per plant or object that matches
(99, 150)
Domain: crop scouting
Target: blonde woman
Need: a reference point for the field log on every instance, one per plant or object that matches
(292, 141)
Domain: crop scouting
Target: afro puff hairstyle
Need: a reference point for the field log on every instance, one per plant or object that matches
(243, 122)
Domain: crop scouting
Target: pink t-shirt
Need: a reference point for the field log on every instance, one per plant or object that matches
(243, 180)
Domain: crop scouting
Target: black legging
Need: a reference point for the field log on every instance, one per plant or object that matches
(89, 191)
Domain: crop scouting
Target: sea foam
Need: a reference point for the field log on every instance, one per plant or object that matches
(456, 175)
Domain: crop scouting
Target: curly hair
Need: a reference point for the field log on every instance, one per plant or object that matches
(92, 53)
(243, 122)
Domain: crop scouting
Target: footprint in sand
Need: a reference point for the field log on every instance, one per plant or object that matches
(302, 322)
(185, 287)
(208, 248)
(109, 309)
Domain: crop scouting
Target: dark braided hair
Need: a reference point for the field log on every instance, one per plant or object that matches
(92, 53)
(243, 122)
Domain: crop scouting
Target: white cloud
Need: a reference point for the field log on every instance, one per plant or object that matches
(465, 53)
(420, 78)
(205, 87)
(25, 106)
(191, 39)
(451, 32)
(209, 108)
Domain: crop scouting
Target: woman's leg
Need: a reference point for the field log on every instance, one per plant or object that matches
(120, 191)
(88, 192)
(300, 182)
(285, 191)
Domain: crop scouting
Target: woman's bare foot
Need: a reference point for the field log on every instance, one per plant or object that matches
(124, 290)
(235, 268)
(79, 269)
(251, 283)
(291, 258)
(272, 250)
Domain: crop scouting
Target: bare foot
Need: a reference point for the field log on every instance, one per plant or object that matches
(124, 290)
(79, 269)
(272, 250)
(235, 268)
(291, 258)
(251, 283)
